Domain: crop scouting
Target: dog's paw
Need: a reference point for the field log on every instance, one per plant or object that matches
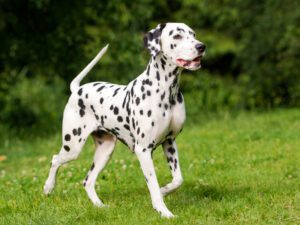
(167, 214)
(100, 204)
(164, 212)
(48, 188)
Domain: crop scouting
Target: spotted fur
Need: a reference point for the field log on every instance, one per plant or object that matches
(144, 114)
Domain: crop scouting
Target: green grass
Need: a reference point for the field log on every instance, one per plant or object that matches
(237, 170)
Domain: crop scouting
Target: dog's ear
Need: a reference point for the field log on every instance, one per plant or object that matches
(152, 39)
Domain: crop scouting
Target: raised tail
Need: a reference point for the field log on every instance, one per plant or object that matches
(76, 81)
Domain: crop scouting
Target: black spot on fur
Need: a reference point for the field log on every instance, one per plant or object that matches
(157, 75)
(175, 71)
(124, 101)
(163, 96)
(67, 137)
(74, 132)
(126, 126)
(100, 88)
(120, 119)
(67, 148)
(79, 92)
(149, 113)
(116, 111)
(116, 91)
(171, 150)
(92, 167)
(81, 112)
(82, 107)
(101, 100)
(179, 97)
(134, 83)
(137, 101)
(92, 107)
(80, 103)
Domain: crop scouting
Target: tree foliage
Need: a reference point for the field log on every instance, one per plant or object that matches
(252, 55)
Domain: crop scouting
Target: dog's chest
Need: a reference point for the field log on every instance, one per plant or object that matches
(172, 123)
(177, 118)
(160, 116)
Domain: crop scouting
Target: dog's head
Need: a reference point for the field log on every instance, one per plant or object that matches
(178, 43)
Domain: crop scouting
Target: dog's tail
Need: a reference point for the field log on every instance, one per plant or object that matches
(76, 81)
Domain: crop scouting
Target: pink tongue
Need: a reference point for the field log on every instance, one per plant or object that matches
(183, 62)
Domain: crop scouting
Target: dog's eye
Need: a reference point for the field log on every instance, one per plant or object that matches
(177, 37)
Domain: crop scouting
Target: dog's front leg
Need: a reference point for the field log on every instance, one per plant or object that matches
(171, 152)
(145, 159)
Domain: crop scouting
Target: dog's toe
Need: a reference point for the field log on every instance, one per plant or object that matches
(47, 189)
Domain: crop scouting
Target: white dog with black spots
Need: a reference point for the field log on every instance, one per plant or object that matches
(144, 114)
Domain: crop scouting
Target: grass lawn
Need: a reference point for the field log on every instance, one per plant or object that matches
(241, 169)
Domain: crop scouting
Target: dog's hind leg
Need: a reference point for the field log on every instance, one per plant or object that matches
(171, 153)
(74, 137)
(105, 144)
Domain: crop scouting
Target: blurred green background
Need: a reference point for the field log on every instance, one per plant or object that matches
(251, 63)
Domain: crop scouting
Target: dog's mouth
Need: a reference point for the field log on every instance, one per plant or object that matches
(188, 64)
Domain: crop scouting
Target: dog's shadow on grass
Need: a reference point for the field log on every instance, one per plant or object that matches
(191, 194)
(187, 194)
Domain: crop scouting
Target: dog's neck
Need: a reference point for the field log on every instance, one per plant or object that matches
(163, 71)
(165, 75)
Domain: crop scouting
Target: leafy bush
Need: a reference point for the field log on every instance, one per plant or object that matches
(269, 52)
(205, 94)
(32, 103)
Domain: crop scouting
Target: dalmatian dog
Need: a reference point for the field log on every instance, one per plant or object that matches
(144, 114)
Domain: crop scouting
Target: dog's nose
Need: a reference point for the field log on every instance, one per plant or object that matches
(200, 47)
